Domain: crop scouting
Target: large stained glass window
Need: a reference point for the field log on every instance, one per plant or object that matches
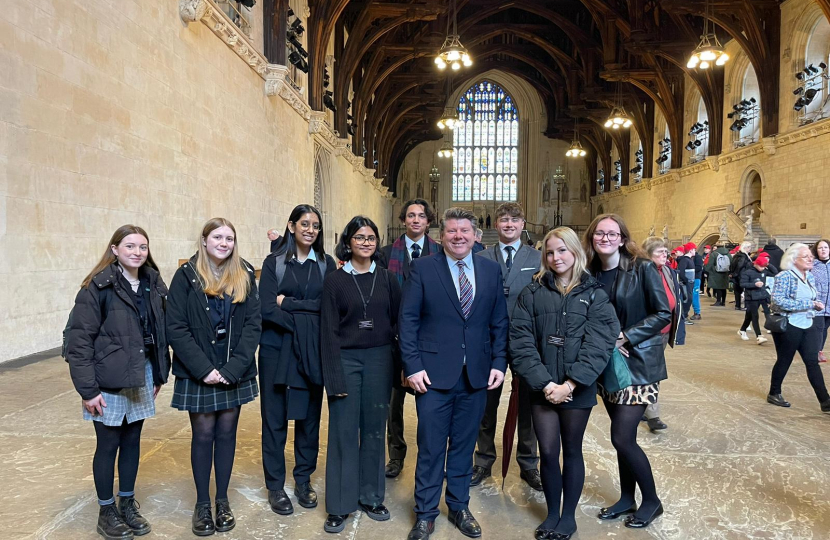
(486, 162)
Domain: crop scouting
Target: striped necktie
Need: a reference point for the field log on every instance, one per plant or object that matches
(466, 290)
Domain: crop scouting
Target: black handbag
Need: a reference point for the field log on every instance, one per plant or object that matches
(776, 323)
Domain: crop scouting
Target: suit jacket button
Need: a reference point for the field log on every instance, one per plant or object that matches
(141, 350)
(463, 346)
(213, 343)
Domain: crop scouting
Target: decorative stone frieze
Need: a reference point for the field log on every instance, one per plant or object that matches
(695, 168)
(809, 131)
(741, 153)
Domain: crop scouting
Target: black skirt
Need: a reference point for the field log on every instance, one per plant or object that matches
(196, 396)
(585, 397)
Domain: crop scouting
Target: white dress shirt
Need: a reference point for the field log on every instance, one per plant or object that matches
(351, 270)
(410, 242)
(515, 245)
(469, 271)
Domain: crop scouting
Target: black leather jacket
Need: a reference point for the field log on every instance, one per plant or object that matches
(643, 311)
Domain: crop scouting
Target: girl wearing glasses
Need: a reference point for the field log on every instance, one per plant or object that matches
(635, 287)
(290, 372)
(359, 320)
(213, 325)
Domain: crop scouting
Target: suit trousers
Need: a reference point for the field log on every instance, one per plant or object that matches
(273, 401)
(395, 441)
(527, 455)
(357, 425)
(448, 422)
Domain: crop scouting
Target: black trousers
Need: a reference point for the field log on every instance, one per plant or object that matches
(738, 290)
(806, 343)
(687, 305)
(273, 401)
(448, 423)
(720, 295)
(357, 423)
(394, 426)
(527, 455)
(824, 323)
(751, 315)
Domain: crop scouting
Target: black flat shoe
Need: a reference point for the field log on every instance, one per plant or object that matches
(533, 478)
(655, 424)
(306, 496)
(111, 525)
(421, 530)
(825, 406)
(479, 474)
(224, 517)
(605, 513)
(636, 523)
(202, 523)
(394, 468)
(543, 534)
(335, 524)
(128, 508)
(777, 399)
(378, 512)
(562, 536)
(465, 523)
(280, 503)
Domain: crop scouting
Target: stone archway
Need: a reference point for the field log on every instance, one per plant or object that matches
(752, 185)
(322, 183)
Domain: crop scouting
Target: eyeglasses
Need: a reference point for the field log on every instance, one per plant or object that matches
(612, 236)
(365, 240)
(308, 225)
(661, 251)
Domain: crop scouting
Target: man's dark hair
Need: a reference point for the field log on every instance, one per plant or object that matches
(343, 250)
(427, 210)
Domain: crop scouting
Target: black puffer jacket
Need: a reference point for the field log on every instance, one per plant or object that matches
(643, 310)
(191, 333)
(110, 355)
(751, 291)
(740, 262)
(584, 318)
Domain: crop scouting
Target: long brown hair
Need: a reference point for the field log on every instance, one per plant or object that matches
(571, 241)
(629, 250)
(234, 280)
(109, 257)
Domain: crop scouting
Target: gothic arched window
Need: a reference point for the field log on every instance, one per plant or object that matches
(486, 162)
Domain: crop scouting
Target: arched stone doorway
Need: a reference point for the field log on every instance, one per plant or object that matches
(600, 210)
(322, 175)
(711, 240)
(751, 195)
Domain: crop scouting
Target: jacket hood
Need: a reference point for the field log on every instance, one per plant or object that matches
(587, 282)
(108, 276)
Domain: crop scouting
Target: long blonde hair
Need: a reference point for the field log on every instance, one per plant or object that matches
(109, 257)
(572, 244)
(235, 280)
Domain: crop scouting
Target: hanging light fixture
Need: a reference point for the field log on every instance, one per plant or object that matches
(452, 52)
(449, 119)
(576, 149)
(618, 117)
(709, 50)
(446, 150)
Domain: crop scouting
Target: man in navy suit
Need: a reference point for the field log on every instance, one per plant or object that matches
(453, 337)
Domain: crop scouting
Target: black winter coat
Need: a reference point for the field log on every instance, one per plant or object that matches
(685, 263)
(191, 334)
(586, 321)
(643, 311)
(775, 253)
(740, 262)
(751, 291)
(110, 355)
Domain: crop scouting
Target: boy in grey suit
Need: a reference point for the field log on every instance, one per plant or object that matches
(518, 263)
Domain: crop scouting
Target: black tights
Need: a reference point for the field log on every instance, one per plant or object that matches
(635, 470)
(554, 425)
(124, 441)
(213, 442)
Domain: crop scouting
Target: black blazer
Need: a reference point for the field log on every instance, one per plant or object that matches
(643, 311)
(191, 335)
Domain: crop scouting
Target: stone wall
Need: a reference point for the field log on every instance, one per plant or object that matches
(115, 112)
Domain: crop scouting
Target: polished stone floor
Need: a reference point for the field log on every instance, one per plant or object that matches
(729, 467)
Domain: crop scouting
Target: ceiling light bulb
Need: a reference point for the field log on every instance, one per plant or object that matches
(723, 59)
(704, 65)
(440, 63)
(467, 62)
(453, 54)
(608, 123)
(708, 55)
(615, 126)
(456, 66)
(627, 123)
(693, 62)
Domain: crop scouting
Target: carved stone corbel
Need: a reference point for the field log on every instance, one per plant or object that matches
(274, 79)
(316, 121)
(193, 10)
(769, 145)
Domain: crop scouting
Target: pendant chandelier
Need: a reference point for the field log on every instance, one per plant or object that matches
(576, 149)
(449, 118)
(446, 150)
(709, 50)
(618, 117)
(452, 52)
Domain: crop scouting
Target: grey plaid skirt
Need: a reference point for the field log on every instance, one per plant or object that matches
(133, 403)
(196, 396)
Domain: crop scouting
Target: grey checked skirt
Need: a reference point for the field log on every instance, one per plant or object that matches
(196, 396)
(134, 404)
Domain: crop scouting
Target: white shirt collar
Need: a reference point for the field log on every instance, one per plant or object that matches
(312, 256)
(516, 245)
(350, 269)
(410, 242)
(468, 260)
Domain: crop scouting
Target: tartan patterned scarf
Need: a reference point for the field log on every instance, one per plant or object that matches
(398, 256)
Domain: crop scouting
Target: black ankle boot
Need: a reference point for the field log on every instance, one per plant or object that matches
(128, 508)
(203, 520)
(110, 524)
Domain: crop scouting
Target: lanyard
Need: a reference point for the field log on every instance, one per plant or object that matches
(307, 281)
(371, 293)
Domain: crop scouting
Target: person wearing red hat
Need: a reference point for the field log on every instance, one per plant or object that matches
(686, 274)
(697, 262)
(754, 284)
(704, 276)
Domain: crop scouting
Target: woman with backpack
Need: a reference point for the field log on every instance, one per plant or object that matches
(561, 337)
(116, 347)
(359, 326)
(290, 369)
(718, 268)
(213, 325)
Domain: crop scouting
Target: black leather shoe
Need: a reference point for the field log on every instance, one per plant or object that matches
(111, 525)
(561, 536)
(335, 524)
(635, 523)
(394, 468)
(224, 517)
(696, 317)
(533, 479)
(825, 406)
(543, 534)
(421, 530)
(128, 508)
(655, 424)
(778, 399)
(306, 495)
(466, 523)
(378, 512)
(605, 513)
(203, 520)
(479, 474)
(280, 503)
